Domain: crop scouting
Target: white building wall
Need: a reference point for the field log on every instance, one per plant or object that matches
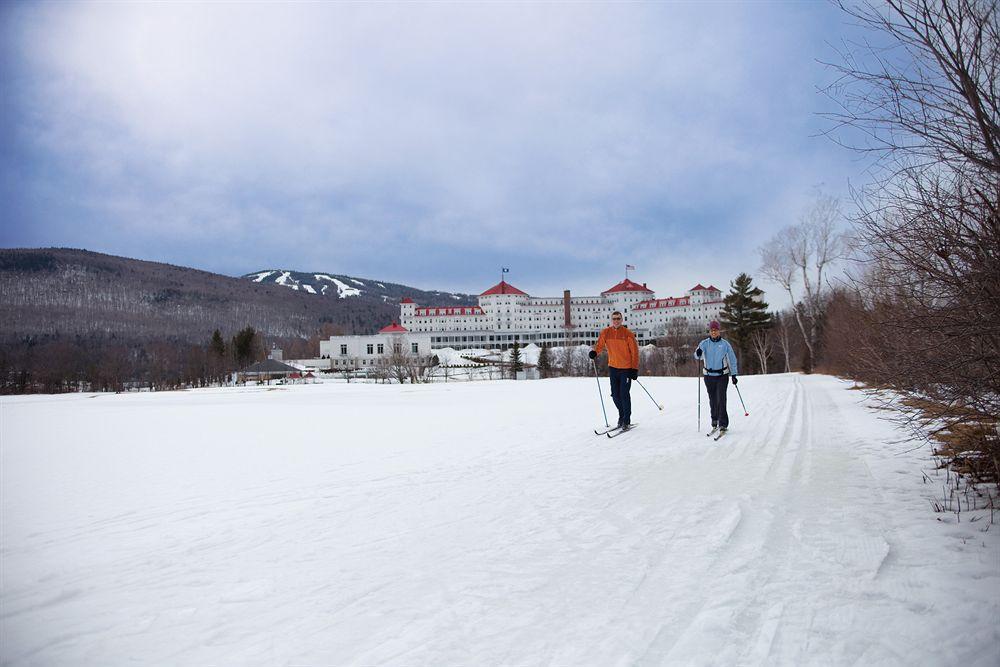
(364, 351)
(541, 319)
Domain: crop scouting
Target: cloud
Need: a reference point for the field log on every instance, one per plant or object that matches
(351, 136)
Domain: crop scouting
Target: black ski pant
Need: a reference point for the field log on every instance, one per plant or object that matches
(717, 386)
(621, 383)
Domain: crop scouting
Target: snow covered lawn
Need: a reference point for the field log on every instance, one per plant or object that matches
(480, 523)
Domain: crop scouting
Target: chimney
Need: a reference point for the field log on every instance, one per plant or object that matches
(566, 319)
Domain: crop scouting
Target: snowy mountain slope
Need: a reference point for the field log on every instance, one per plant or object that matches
(481, 524)
(340, 286)
(48, 293)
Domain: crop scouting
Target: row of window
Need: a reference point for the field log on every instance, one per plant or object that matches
(379, 348)
(526, 337)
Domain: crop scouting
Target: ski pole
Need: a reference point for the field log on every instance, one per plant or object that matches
(594, 364)
(699, 401)
(745, 413)
(648, 394)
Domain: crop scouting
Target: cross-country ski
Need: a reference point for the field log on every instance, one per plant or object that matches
(619, 431)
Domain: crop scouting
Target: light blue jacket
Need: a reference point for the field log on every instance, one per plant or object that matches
(718, 355)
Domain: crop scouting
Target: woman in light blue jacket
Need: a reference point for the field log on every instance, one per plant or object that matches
(720, 365)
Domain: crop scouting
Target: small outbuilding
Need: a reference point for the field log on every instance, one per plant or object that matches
(267, 370)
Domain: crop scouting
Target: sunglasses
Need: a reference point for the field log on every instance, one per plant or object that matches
(615, 318)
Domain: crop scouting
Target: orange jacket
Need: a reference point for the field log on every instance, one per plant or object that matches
(623, 352)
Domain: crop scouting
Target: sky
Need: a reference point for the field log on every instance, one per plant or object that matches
(424, 144)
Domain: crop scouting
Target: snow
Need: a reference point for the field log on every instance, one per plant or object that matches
(451, 356)
(343, 289)
(356, 282)
(259, 277)
(481, 523)
(308, 288)
(284, 278)
(346, 290)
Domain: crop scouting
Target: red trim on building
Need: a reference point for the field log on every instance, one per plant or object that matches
(393, 328)
(627, 286)
(503, 287)
(406, 300)
(450, 311)
(672, 302)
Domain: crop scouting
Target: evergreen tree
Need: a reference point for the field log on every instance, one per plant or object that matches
(515, 360)
(544, 363)
(243, 347)
(218, 346)
(743, 313)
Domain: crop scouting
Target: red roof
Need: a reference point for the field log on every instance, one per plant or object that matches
(714, 288)
(393, 328)
(697, 287)
(503, 287)
(628, 286)
(406, 300)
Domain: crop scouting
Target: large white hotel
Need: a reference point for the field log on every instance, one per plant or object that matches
(506, 314)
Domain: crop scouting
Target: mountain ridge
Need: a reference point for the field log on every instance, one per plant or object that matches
(60, 292)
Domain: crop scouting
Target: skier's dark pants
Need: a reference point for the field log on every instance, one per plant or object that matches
(621, 383)
(717, 386)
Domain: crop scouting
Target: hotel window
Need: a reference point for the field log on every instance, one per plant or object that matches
(371, 348)
(343, 350)
(414, 348)
(381, 348)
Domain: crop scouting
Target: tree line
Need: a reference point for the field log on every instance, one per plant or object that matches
(80, 363)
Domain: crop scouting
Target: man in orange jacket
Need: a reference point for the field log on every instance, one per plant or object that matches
(623, 365)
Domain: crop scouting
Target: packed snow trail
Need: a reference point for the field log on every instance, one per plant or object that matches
(480, 523)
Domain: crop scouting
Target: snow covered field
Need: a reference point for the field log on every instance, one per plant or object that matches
(480, 523)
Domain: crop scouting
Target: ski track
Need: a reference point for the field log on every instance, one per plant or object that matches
(198, 532)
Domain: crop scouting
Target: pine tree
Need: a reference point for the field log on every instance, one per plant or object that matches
(243, 346)
(218, 346)
(515, 360)
(744, 313)
(544, 363)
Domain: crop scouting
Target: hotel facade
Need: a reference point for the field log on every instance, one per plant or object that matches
(506, 314)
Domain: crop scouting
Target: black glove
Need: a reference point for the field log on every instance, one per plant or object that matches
(633, 373)
(698, 353)
(735, 379)
(592, 354)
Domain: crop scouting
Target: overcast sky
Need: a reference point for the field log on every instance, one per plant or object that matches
(423, 144)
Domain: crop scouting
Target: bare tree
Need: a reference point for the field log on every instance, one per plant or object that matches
(926, 307)
(931, 100)
(797, 258)
(782, 331)
(760, 341)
